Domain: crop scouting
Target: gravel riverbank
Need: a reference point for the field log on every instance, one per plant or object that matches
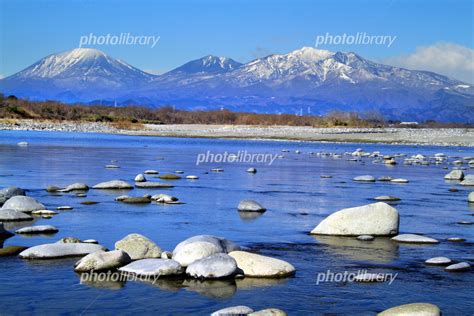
(425, 136)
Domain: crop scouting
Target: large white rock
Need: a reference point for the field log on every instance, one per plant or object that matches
(113, 185)
(153, 267)
(213, 267)
(39, 229)
(468, 180)
(138, 247)
(254, 265)
(102, 260)
(250, 206)
(233, 311)
(59, 250)
(23, 204)
(13, 216)
(201, 246)
(140, 178)
(415, 239)
(454, 175)
(414, 309)
(377, 219)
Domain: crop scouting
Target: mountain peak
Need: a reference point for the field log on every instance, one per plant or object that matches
(208, 64)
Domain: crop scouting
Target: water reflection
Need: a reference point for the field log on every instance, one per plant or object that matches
(381, 249)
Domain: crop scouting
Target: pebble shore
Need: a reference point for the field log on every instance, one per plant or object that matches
(414, 136)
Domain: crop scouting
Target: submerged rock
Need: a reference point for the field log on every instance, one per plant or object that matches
(102, 260)
(4, 233)
(11, 251)
(378, 219)
(113, 185)
(59, 250)
(40, 229)
(213, 267)
(254, 265)
(138, 247)
(135, 199)
(152, 185)
(153, 267)
(169, 176)
(13, 216)
(23, 204)
(416, 239)
(250, 206)
(421, 309)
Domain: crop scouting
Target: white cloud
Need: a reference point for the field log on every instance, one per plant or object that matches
(448, 59)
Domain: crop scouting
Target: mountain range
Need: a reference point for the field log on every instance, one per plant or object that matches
(306, 81)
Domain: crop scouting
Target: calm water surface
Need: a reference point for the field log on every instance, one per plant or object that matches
(297, 200)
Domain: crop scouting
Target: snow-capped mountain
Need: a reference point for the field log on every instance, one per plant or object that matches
(306, 80)
(75, 75)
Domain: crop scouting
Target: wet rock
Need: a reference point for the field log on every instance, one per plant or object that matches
(140, 178)
(112, 167)
(201, 246)
(138, 247)
(217, 170)
(252, 170)
(153, 268)
(113, 185)
(13, 216)
(152, 185)
(164, 198)
(23, 204)
(136, 199)
(456, 239)
(233, 311)
(23, 144)
(378, 219)
(254, 265)
(169, 176)
(250, 206)
(76, 187)
(421, 309)
(64, 208)
(454, 175)
(399, 180)
(101, 260)
(438, 261)
(364, 179)
(4, 233)
(11, 251)
(44, 212)
(40, 229)
(387, 198)
(213, 267)
(10, 192)
(151, 171)
(59, 250)
(325, 176)
(416, 239)
(53, 188)
(458, 267)
(385, 179)
(192, 177)
(465, 223)
(468, 180)
(89, 202)
(365, 237)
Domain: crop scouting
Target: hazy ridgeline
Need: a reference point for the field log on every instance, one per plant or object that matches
(134, 116)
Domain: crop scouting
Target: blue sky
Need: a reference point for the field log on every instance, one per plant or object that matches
(242, 30)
